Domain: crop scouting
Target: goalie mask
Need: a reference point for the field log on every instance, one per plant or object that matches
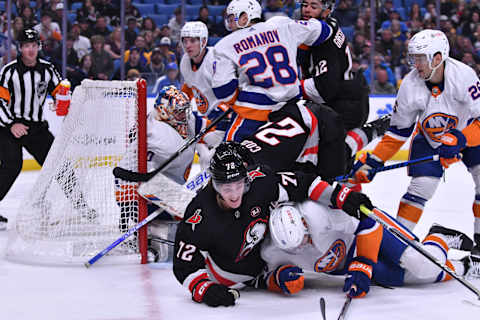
(173, 107)
(287, 228)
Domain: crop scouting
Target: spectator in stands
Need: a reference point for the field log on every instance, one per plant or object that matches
(20, 4)
(131, 10)
(101, 27)
(398, 32)
(149, 25)
(48, 29)
(101, 60)
(164, 32)
(57, 15)
(273, 8)
(81, 44)
(471, 60)
(390, 48)
(379, 61)
(381, 85)
(469, 26)
(431, 14)
(29, 19)
(133, 75)
(156, 68)
(383, 13)
(86, 29)
(132, 63)
(361, 26)
(168, 55)
(176, 23)
(131, 32)
(85, 71)
(359, 40)
(203, 17)
(113, 43)
(220, 30)
(170, 79)
(148, 36)
(17, 28)
(346, 13)
(415, 14)
(87, 12)
(106, 9)
(144, 53)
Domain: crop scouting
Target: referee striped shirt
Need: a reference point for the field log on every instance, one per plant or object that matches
(23, 90)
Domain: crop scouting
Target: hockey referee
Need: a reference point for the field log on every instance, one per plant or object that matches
(24, 85)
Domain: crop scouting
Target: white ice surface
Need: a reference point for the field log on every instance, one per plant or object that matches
(135, 292)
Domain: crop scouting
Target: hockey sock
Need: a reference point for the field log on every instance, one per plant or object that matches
(410, 210)
(437, 246)
(476, 215)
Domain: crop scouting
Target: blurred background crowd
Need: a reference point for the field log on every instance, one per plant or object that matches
(90, 36)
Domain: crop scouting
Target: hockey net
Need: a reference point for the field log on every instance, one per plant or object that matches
(77, 207)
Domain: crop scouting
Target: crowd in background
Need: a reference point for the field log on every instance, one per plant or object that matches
(153, 51)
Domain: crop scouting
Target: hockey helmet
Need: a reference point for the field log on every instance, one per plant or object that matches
(287, 228)
(28, 35)
(424, 45)
(173, 107)
(195, 29)
(229, 164)
(235, 9)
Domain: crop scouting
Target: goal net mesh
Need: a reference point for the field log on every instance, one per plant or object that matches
(77, 207)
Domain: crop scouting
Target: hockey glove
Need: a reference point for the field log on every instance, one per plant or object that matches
(362, 171)
(213, 294)
(286, 279)
(349, 201)
(357, 283)
(452, 144)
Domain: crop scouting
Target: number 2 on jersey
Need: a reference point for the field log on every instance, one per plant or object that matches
(277, 58)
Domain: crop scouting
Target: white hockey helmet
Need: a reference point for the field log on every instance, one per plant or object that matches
(428, 42)
(287, 228)
(195, 29)
(236, 7)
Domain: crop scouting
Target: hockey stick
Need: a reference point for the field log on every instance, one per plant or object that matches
(142, 177)
(346, 305)
(393, 166)
(122, 238)
(376, 214)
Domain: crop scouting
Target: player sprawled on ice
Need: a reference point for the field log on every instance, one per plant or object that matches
(312, 237)
(438, 101)
(167, 129)
(255, 68)
(196, 68)
(217, 244)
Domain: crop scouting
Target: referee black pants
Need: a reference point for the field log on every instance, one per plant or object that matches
(37, 142)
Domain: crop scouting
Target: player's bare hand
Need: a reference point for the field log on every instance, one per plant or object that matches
(19, 130)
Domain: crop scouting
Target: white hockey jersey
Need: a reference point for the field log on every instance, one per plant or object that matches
(255, 68)
(332, 232)
(436, 110)
(162, 142)
(198, 82)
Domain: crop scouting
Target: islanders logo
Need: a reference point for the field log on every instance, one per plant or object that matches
(436, 124)
(200, 100)
(332, 258)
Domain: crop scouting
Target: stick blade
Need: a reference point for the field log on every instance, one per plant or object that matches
(128, 175)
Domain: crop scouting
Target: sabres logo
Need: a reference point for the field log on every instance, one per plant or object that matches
(255, 211)
(332, 258)
(436, 124)
(253, 174)
(195, 219)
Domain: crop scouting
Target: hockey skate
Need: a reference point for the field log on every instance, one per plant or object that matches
(455, 239)
(3, 222)
(378, 126)
(471, 266)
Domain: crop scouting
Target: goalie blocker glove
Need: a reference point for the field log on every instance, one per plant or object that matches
(214, 294)
(349, 201)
